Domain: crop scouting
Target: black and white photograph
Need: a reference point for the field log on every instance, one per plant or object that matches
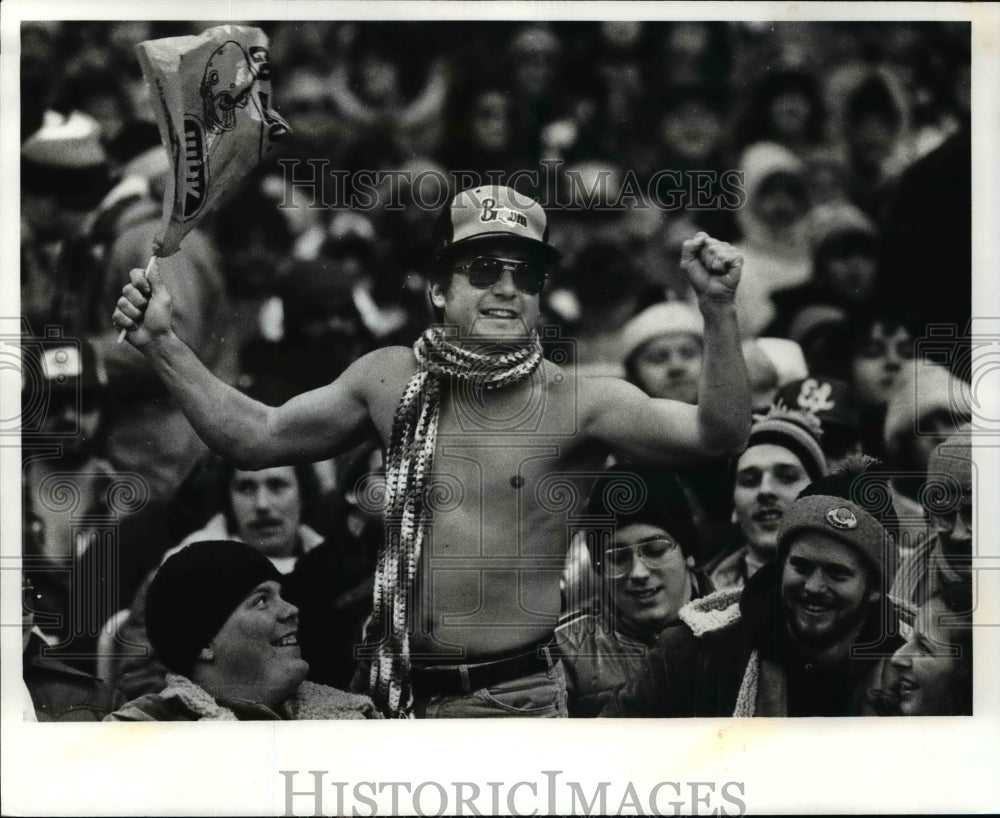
(625, 366)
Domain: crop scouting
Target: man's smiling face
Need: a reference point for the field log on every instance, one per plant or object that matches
(498, 311)
(258, 648)
(825, 589)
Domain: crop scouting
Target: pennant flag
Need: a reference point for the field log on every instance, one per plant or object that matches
(212, 97)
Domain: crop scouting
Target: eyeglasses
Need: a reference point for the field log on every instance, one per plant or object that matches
(653, 553)
(485, 271)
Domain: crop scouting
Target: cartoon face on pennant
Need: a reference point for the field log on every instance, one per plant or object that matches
(226, 86)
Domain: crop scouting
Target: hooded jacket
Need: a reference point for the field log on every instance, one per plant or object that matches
(771, 262)
(826, 222)
(732, 657)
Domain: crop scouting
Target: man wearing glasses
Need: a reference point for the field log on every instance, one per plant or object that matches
(645, 566)
(486, 443)
(944, 559)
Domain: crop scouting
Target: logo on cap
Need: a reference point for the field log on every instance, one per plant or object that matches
(842, 517)
(492, 213)
(815, 397)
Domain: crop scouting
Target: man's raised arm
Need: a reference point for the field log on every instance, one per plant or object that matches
(713, 268)
(309, 427)
(665, 430)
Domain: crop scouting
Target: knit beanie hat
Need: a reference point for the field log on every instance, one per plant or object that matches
(949, 472)
(853, 505)
(644, 494)
(925, 389)
(661, 319)
(195, 591)
(799, 432)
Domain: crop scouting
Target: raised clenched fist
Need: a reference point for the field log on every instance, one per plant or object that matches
(713, 267)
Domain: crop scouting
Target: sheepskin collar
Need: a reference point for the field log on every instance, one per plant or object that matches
(311, 701)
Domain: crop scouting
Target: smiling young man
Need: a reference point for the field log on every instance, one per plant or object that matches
(646, 573)
(782, 457)
(479, 431)
(802, 638)
(216, 617)
(261, 508)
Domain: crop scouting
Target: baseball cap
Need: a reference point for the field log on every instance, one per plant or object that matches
(831, 400)
(490, 211)
(65, 158)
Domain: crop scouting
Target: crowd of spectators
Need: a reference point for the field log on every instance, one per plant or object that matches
(851, 207)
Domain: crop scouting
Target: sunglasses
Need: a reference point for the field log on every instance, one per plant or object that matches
(653, 553)
(485, 271)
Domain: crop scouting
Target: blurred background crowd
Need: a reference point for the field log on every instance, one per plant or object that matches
(853, 215)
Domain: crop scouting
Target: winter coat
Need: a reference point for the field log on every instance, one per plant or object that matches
(732, 571)
(183, 700)
(60, 692)
(731, 657)
(140, 670)
(600, 653)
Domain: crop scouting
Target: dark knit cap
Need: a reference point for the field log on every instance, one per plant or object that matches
(644, 494)
(195, 591)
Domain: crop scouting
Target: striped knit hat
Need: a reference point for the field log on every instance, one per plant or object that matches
(799, 432)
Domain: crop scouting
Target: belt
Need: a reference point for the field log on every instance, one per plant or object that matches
(453, 680)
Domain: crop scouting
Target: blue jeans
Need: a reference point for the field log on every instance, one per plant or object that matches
(540, 695)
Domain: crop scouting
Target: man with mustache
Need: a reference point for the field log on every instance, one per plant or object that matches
(782, 457)
(804, 637)
(267, 509)
(217, 618)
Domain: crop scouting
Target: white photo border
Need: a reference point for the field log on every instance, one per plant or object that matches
(784, 766)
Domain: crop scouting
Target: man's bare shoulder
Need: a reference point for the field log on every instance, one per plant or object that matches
(593, 391)
(385, 369)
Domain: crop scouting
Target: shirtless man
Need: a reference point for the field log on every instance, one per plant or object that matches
(486, 472)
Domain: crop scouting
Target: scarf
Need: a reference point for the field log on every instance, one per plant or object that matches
(409, 463)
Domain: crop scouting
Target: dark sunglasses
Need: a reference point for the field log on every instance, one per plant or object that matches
(485, 271)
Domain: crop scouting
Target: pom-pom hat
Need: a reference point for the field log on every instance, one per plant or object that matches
(799, 432)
